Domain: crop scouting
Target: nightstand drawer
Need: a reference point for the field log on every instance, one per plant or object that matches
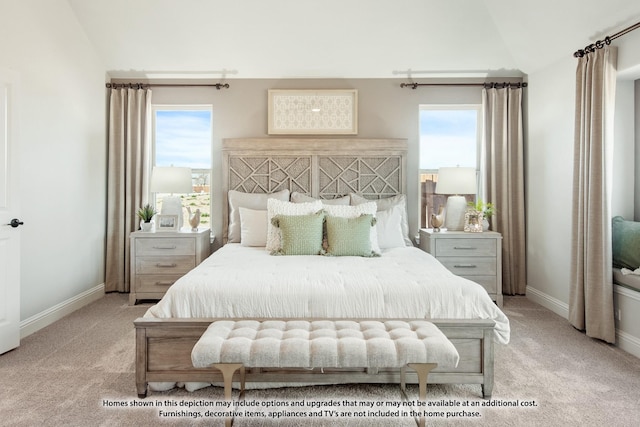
(466, 247)
(155, 283)
(164, 265)
(165, 246)
(469, 266)
(158, 259)
(487, 282)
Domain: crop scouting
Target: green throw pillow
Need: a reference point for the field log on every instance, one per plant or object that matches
(300, 234)
(625, 237)
(349, 236)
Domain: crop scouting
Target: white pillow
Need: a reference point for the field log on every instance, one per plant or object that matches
(279, 207)
(256, 201)
(387, 203)
(389, 225)
(303, 198)
(353, 212)
(253, 227)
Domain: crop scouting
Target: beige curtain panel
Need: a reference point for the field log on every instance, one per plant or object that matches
(129, 163)
(503, 181)
(591, 291)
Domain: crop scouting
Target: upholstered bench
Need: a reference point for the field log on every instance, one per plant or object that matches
(230, 345)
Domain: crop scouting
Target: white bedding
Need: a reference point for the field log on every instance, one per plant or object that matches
(239, 282)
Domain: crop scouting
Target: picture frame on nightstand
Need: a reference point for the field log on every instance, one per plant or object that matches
(166, 222)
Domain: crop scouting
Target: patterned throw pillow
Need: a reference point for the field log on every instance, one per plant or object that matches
(350, 236)
(279, 207)
(300, 234)
(354, 212)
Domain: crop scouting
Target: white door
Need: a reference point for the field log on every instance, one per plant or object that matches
(9, 206)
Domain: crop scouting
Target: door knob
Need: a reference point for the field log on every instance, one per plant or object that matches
(15, 222)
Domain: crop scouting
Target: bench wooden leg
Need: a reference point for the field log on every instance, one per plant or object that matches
(422, 369)
(227, 370)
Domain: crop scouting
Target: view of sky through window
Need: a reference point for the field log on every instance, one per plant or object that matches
(183, 138)
(448, 137)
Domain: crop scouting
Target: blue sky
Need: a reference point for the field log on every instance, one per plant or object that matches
(183, 138)
(448, 138)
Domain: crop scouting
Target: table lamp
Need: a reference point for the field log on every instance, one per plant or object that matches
(171, 180)
(456, 181)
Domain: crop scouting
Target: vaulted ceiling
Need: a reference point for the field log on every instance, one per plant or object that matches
(343, 38)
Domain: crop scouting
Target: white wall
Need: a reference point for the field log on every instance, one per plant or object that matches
(63, 151)
(549, 181)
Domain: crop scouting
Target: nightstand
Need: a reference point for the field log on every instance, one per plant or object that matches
(158, 259)
(475, 256)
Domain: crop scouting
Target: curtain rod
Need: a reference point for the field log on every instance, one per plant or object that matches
(606, 41)
(147, 85)
(487, 85)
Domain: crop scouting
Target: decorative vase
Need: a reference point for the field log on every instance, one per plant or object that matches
(146, 226)
(485, 224)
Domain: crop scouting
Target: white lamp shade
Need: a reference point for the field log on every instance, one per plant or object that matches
(456, 180)
(171, 180)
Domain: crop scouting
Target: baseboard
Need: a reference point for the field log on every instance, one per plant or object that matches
(628, 342)
(624, 340)
(634, 295)
(547, 301)
(58, 311)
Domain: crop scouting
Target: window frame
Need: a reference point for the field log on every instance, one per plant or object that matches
(182, 107)
(479, 143)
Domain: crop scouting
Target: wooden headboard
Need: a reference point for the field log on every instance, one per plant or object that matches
(320, 168)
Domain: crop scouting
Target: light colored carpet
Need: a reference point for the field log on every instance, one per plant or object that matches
(64, 375)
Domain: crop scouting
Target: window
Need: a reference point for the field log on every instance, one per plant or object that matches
(182, 137)
(449, 136)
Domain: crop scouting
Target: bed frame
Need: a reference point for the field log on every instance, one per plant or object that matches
(322, 168)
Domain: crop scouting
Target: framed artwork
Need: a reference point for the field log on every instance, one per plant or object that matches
(313, 112)
(166, 222)
(473, 221)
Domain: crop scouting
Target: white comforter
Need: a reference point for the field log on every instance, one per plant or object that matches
(239, 282)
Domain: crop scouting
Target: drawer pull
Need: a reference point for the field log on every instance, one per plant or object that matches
(465, 266)
(164, 283)
(165, 265)
(465, 248)
(165, 247)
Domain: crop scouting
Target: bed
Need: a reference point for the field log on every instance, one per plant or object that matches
(400, 282)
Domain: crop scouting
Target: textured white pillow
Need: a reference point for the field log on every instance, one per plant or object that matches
(256, 201)
(303, 198)
(353, 212)
(253, 227)
(389, 225)
(388, 203)
(279, 207)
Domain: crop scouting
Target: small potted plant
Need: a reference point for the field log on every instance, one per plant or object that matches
(485, 209)
(146, 214)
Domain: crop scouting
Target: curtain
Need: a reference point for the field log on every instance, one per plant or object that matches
(128, 174)
(503, 180)
(591, 288)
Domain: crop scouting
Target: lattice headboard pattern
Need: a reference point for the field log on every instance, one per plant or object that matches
(321, 168)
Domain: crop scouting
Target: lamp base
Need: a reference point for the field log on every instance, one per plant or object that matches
(172, 205)
(456, 208)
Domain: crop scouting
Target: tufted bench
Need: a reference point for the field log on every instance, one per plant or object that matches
(232, 345)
